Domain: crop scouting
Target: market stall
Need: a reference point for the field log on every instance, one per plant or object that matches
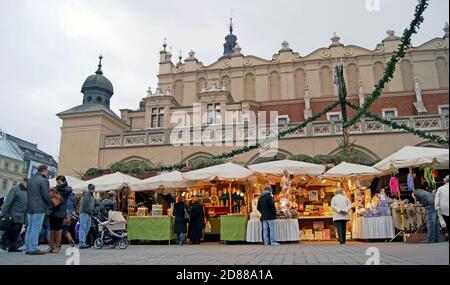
(372, 217)
(421, 165)
(153, 225)
(297, 206)
(226, 198)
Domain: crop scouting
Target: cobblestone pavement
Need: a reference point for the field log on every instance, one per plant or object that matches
(317, 253)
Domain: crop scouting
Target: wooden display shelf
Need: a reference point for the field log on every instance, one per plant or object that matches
(314, 218)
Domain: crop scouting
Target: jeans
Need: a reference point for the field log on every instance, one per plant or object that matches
(432, 225)
(11, 237)
(341, 227)
(180, 238)
(85, 226)
(34, 226)
(269, 227)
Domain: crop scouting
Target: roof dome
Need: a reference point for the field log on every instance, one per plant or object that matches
(97, 89)
(98, 81)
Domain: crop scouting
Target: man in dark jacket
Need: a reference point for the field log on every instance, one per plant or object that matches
(426, 199)
(57, 215)
(87, 207)
(15, 208)
(109, 203)
(197, 218)
(266, 207)
(38, 203)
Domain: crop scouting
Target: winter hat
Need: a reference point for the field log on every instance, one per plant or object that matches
(91, 187)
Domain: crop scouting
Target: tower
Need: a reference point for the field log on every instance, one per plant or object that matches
(230, 42)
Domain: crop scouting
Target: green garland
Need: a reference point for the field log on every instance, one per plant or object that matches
(397, 126)
(391, 66)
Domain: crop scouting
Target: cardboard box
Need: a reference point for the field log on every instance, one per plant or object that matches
(326, 234)
(318, 235)
(309, 232)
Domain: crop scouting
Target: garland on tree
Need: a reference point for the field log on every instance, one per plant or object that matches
(397, 126)
(391, 66)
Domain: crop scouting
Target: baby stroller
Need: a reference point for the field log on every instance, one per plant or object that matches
(113, 232)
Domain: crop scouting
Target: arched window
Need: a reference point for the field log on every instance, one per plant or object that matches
(249, 87)
(226, 82)
(352, 79)
(407, 76)
(326, 81)
(178, 91)
(200, 84)
(5, 184)
(378, 72)
(299, 83)
(275, 86)
(442, 71)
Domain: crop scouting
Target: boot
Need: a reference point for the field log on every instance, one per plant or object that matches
(57, 244)
(51, 242)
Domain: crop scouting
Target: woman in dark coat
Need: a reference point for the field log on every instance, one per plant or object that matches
(58, 214)
(180, 226)
(196, 221)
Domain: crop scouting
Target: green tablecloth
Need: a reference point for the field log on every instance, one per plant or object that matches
(151, 228)
(233, 228)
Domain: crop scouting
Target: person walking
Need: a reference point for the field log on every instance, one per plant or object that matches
(266, 206)
(87, 207)
(196, 221)
(426, 199)
(57, 215)
(181, 219)
(38, 202)
(441, 201)
(15, 208)
(341, 206)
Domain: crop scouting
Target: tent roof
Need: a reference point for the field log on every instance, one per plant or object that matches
(351, 170)
(111, 182)
(291, 166)
(167, 181)
(221, 172)
(414, 157)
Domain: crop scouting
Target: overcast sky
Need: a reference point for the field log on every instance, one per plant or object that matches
(49, 47)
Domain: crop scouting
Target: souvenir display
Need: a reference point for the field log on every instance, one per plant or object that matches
(157, 210)
(142, 211)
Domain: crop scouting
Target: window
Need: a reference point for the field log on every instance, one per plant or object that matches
(283, 120)
(5, 184)
(390, 113)
(14, 183)
(16, 168)
(334, 117)
(157, 118)
(443, 110)
(213, 115)
(6, 166)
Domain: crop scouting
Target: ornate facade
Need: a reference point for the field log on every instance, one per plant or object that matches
(293, 85)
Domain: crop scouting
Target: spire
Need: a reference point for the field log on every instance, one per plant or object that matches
(99, 70)
(231, 25)
(446, 30)
(165, 44)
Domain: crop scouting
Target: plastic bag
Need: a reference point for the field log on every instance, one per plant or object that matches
(208, 227)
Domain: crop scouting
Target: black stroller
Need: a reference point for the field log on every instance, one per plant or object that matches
(112, 230)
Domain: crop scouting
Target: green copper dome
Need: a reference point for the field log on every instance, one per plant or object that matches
(97, 89)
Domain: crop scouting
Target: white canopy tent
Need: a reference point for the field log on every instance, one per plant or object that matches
(227, 171)
(291, 166)
(71, 181)
(414, 157)
(166, 182)
(346, 169)
(111, 182)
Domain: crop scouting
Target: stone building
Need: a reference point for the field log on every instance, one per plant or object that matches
(293, 85)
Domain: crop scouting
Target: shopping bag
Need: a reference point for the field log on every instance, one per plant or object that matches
(5, 223)
(208, 227)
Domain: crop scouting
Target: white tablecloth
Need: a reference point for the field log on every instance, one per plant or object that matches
(286, 230)
(373, 228)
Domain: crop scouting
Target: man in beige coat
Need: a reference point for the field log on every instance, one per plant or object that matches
(341, 207)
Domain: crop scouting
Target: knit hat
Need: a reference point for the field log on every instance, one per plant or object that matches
(91, 187)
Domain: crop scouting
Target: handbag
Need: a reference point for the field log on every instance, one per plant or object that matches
(56, 198)
(5, 223)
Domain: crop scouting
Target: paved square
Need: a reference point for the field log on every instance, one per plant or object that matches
(317, 253)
